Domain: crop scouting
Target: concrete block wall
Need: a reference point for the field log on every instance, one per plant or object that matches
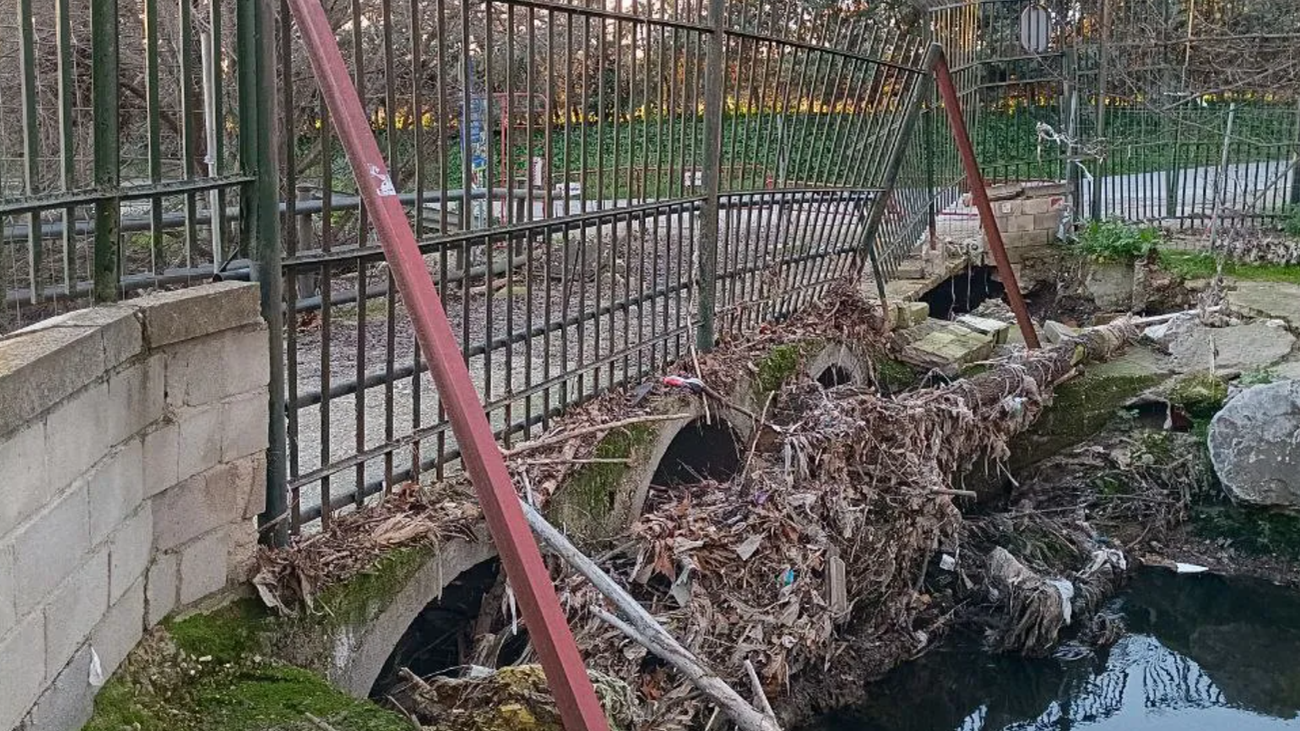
(132, 466)
(1028, 216)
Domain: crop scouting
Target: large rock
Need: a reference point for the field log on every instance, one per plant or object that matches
(1275, 300)
(1255, 445)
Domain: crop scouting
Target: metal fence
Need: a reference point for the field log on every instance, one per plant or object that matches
(129, 142)
(1157, 110)
(569, 251)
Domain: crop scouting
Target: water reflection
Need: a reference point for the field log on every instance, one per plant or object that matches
(1202, 654)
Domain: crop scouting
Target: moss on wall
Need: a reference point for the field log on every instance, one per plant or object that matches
(586, 499)
(209, 672)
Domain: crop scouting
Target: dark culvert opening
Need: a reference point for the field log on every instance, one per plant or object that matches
(700, 451)
(834, 375)
(441, 638)
(962, 293)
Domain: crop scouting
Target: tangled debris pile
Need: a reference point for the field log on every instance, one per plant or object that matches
(821, 548)
(828, 533)
(355, 541)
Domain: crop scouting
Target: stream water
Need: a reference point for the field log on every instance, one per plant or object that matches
(1201, 653)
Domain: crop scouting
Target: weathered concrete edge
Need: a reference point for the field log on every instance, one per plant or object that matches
(43, 364)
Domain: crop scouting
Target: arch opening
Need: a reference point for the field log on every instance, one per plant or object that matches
(700, 452)
(834, 375)
(963, 292)
(448, 634)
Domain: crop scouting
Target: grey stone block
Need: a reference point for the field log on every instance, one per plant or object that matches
(161, 457)
(199, 442)
(116, 489)
(74, 610)
(242, 551)
(129, 552)
(76, 434)
(44, 364)
(137, 396)
(243, 425)
(8, 614)
(253, 474)
(68, 702)
(204, 562)
(161, 587)
(50, 548)
(224, 364)
(200, 504)
(22, 669)
(120, 629)
(185, 314)
(24, 487)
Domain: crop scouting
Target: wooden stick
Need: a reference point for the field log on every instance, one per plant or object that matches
(319, 723)
(951, 491)
(558, 438)
(758, 690)
(758, 431)
(646, 631)
(579, 460)
(727, 699)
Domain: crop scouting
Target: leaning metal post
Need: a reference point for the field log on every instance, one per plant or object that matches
(713, 83)
(980, 194)
(565, 674)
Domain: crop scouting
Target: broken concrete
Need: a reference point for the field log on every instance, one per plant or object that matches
(1111, 285)
(1195, 347)
(1270, 300)
(1253, 445)
(939, 343)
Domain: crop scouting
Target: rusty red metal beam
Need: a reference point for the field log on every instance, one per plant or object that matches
(980, 194)
(534, 590)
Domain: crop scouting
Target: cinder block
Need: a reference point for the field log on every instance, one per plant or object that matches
(242, 557)
(200, 504)
(1020, 223)
(44, 364)
(243, 425)
(1036, 206)
(912, 313)
(1006, 208)
(224, 364)
(161, 585)
(204, 562)
(185, 314)
(22, 669)
(137, 396)
(76, 434)
(68, 702)
(51, 548)
(8, 614)
(161, 457)
(120, 629)
(74, 610)
(116, 489)
(253, 474)
(1047, 222)
(198, 445)
(24, 487)
(129, 552)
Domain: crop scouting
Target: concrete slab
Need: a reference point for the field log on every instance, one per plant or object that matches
(938, 343)
(1272, 300)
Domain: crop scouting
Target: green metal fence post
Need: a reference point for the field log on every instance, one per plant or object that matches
(107, 153)
(259, 203)
(712, 173)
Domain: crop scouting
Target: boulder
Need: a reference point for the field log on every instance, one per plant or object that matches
(1255, 445)
(1111, 285)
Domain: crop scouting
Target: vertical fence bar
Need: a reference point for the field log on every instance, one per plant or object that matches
(67, 149)
(712, 164)
(107, 153)
(255, 38)
(31, 144)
